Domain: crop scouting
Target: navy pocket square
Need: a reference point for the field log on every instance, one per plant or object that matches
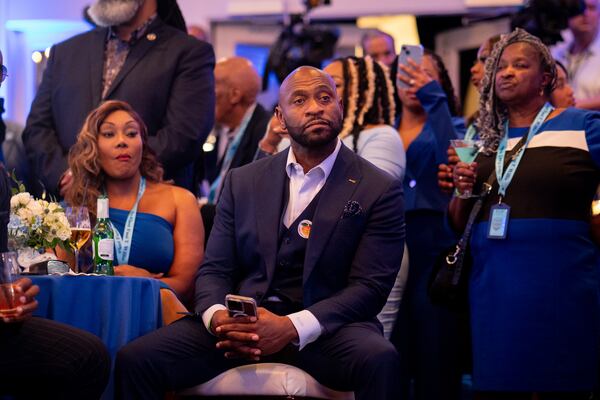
(351, 209)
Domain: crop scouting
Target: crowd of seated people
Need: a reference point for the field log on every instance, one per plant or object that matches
(331, 212)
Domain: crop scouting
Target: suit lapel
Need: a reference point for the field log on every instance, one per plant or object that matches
(137, 52)
(269, 187)
(96, 59)
(341, 184)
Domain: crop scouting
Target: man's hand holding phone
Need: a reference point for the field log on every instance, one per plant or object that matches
(237, 335)
(248, 336)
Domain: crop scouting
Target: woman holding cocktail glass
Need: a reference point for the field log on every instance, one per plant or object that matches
(112, 156)
(533, 287)
(562, 96)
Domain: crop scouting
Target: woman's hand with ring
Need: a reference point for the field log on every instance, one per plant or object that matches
(413, 75)
(464, 176)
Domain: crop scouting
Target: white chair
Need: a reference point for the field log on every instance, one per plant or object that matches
(268, 379)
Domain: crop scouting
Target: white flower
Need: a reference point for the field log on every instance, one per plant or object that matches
(25, 215)
(64, 233)
(36, 223)
(20, 199)
(36, 208)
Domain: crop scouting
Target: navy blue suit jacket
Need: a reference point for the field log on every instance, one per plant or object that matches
(168, 81)
(351, 261)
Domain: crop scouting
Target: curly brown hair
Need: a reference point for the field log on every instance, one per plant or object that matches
(84, 158)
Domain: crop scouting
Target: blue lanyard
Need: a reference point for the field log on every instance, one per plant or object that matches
(471, 132)
(216, 185)
(504, 178)
(123, 244)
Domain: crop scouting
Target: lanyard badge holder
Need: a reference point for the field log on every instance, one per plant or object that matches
(500, 213)
(123, 243)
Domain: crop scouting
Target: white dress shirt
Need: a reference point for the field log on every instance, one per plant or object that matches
(303, 189)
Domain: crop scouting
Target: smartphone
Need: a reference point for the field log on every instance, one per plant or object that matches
(407, 50)
(240, 306)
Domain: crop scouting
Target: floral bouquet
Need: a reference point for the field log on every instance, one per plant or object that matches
(34, 226)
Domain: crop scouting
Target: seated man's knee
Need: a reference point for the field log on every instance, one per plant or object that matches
(380, 353)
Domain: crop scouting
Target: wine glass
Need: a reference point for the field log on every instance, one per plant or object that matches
(81, 229)
(8, 269)
(466, 150)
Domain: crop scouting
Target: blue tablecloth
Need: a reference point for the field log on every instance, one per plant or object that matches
(116, 309)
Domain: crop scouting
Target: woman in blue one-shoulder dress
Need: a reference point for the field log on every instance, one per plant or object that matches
(157, 226)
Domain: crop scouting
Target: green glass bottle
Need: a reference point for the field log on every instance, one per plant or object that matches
(103, 240)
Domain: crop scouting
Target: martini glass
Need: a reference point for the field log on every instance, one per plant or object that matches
(466, 150)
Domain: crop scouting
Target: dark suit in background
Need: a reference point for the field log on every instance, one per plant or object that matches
(246, 151)
(350, 264)
(167, 78)
(244, 155)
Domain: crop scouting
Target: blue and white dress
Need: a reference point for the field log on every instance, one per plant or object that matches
(534, 296)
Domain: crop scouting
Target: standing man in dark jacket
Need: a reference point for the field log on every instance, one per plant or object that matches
(138, 55)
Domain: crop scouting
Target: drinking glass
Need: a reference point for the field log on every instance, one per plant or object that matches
(81, 229)
(466, 150)
(8, 269)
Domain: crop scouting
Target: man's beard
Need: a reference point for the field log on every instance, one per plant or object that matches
(114, 12)
(311, 141)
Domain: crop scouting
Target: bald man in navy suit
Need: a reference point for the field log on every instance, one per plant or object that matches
(315, 235)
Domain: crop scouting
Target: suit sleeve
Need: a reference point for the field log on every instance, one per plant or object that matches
(374, 268)
(217, 274)
(47, 158)
(190, 111)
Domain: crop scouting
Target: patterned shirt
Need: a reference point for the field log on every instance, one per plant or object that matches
(116, 51)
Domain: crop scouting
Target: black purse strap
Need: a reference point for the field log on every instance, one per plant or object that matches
(460, 250)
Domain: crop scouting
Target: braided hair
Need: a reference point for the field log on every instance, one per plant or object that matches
(368, 96)
(492, 112)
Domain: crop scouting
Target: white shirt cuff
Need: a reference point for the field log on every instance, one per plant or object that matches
(208, 314)
(307, 325)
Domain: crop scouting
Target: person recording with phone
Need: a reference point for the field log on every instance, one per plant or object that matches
(428, 122)
(314, 235)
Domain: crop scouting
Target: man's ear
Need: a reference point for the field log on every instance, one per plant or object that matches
(279, 116)
(235, 95)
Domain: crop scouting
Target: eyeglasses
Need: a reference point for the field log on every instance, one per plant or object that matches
(4, 74)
